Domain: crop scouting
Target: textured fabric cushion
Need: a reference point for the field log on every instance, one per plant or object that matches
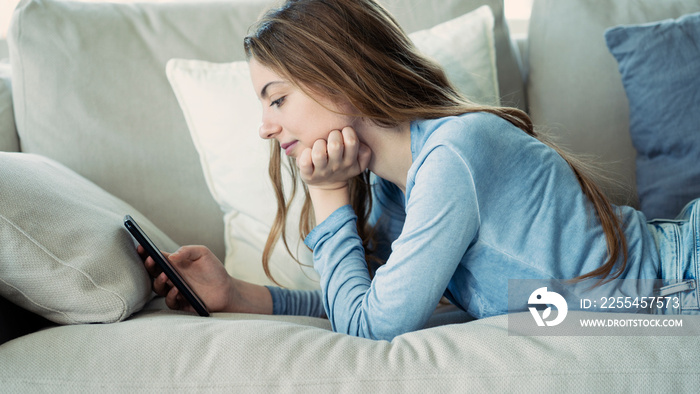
(8, 133)
(65, 254)
(246, 353)
(464, 46)
(660, 67)
(574, 87)
(223, 114)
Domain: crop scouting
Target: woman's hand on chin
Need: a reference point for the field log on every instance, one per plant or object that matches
(328, 165)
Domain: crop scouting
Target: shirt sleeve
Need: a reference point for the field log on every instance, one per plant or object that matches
(296, 302)
(441, 221)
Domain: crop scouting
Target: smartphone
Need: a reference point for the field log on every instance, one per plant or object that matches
(165, 265)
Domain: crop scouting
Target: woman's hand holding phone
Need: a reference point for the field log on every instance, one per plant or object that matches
(203, 272)
(207, 276)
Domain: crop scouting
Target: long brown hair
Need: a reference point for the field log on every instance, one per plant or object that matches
(355, 49)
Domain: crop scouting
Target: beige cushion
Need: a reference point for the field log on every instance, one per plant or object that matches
(8, 133)
(91, 93)
(160, 351)
(465, 48)
(223, 115)
(574, 87)
(65, 254)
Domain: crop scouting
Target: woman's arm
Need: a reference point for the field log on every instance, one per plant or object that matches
(221, 292)
(441, 221)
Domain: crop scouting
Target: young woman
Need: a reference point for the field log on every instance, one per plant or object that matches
(461, 196)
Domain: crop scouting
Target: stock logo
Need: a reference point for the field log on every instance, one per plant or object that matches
(543, 297)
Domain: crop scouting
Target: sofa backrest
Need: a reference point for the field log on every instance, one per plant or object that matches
(90, 91)
(574, 88)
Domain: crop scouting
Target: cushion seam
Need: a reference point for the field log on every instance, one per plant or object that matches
(124, 304)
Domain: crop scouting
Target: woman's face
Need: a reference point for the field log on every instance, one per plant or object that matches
(292, 117)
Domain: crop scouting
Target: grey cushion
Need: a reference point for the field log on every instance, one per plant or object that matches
(65, 254)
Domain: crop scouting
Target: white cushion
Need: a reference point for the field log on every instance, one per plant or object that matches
(223, 115)
(465, 47)
(65, 254)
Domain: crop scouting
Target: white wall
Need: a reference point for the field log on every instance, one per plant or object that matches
(517, 14)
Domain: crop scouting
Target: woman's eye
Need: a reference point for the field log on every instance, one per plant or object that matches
(277, 102)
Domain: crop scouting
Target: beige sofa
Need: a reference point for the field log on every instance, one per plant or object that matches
(90, 91)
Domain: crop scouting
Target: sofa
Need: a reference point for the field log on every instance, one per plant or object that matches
(108, 109)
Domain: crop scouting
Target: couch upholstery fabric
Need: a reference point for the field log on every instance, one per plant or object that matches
(174, 352)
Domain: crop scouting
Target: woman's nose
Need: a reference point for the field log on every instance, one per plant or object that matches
(268, 129)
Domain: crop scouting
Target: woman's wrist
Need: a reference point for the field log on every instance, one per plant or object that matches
(249, 298)
(328, 200)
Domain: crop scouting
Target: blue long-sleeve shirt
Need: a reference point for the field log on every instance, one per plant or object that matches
(484, 202)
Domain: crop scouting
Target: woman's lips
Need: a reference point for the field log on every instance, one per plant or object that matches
(288, 147)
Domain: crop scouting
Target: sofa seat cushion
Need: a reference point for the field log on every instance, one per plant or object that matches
(65, 254)
(166, 351)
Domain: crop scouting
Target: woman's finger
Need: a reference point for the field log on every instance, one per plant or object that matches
(351, 146)
(305, 163)
(335, 148)
(319, 155)
(142, 252)
(161, 285)
(151, 267)
(171, 299)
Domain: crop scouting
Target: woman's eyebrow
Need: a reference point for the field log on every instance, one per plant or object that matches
(263, 91)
